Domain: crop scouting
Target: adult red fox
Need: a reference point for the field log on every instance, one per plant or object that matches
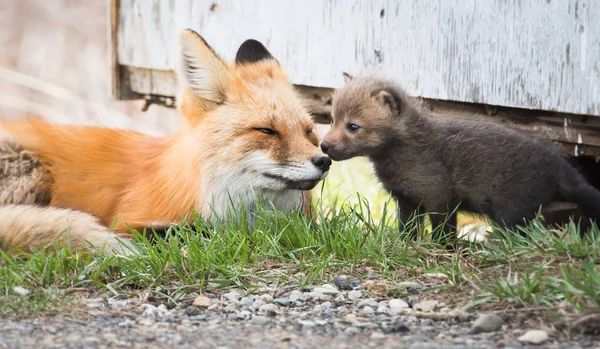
(248, 139)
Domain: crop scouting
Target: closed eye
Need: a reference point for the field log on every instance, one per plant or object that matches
(266, 131)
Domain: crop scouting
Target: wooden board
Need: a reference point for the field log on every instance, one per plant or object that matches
(541, 55)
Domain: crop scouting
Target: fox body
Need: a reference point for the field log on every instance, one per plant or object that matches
(436, 164)
(248, 139)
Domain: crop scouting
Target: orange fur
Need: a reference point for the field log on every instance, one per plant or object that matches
(134, 179)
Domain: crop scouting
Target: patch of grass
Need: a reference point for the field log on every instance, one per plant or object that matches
(351, 236)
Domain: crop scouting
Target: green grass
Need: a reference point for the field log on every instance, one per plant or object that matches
(356, 237)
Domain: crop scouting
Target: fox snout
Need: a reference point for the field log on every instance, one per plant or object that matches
(322, 162)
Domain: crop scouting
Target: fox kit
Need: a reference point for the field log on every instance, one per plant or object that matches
(248, 138)
(436, 164)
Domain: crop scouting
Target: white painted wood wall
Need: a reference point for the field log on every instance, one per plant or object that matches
(536, 54)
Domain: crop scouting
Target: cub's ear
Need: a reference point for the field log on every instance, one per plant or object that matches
(252, 51)
(347, 77)
(390, 99)
(200, 69)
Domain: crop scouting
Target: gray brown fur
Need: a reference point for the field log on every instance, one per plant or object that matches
(23, 179)
(435, 164)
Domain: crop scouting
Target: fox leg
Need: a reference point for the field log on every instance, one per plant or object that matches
(407, 210)
(445, 235)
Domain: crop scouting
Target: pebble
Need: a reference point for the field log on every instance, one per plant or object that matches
(397, 306)
(284, 302)
(192, 311)
(260, 320)
(367, 302)
(427, 306)
(243, 315)
(270, 308)
(247, 301)
(296, 296)
(398, 326)
(150, 313)
(202, 302)
(367, 310)
(267, 298)
(487, 323)
(354, 295)
(232, 307)
(341, 283)
(384, 310)
(534, 337)
(411, 286)
(351, 319)
(424, 345)
(377, 335)
(231, 296)
(327, 289)
(306, 323)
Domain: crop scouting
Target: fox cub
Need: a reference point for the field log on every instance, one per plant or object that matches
(438, 164)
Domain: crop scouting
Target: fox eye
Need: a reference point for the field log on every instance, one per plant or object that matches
(309, 131)
(352, 127)
(266, 131)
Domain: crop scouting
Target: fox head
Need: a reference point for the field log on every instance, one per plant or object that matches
(367, 114)
(249, 118)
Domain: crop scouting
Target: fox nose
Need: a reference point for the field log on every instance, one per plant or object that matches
(324, 147)
(322, 162)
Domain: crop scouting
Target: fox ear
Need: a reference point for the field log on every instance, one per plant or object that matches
(347, 77)
(252, 51)
(389, 99)
(201, 69)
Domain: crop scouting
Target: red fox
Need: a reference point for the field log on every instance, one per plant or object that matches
(248, 138)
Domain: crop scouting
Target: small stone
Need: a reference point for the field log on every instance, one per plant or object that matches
(327, 289)
(352, 330)
(247, 301)
(150, 313)
(306, 323)
(424, 345)
(243, 315)
(350, 319)
(487, 323)
(270, 309)
(213, 307)
(284, 302)
(341, 283)
(354, 295)
(232, 307)
(161, 309)
(355, 283)
(260, 320)
(384, 310)
(231, 296)
(202, 302)
(296, 295)
(427, 306)
(367, 302)
(411, 286)
(127, 323)
(192, 311)
(398, 326)
(377, 335)
(169, 318)
(367, 310)
(534, 337)
(21, 291)
(267, 298)
(95, 305)
(398, 306)
(115, 303)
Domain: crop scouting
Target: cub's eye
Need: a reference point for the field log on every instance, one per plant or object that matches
(352, 127)
(266, 131)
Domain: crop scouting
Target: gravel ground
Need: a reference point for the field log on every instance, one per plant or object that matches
(326, 317)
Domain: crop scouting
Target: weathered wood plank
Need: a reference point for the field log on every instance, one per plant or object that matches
(526, 54)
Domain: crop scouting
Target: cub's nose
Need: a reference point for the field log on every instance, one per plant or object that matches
(324, 147)
(322, 162)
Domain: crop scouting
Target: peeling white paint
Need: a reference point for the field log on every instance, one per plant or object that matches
(526, 54)
(579, 139)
